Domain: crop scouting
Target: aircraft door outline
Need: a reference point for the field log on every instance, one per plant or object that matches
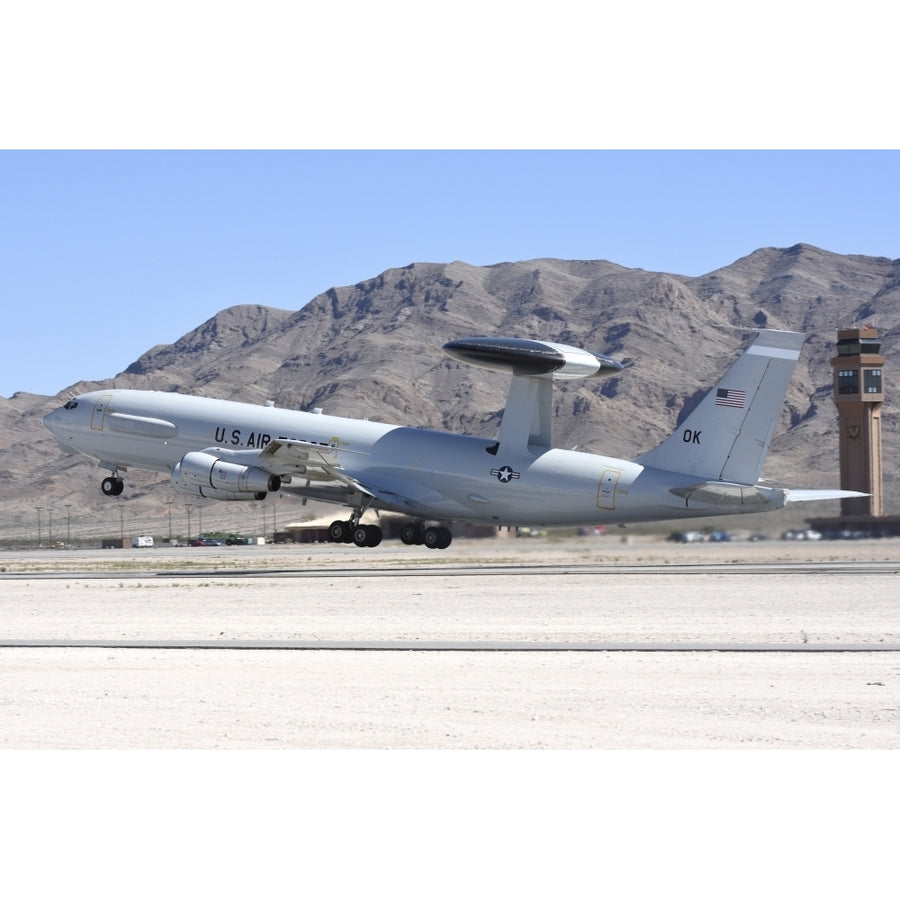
(606, 489)
(99, 413)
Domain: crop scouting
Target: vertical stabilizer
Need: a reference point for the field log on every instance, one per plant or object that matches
(727, 436)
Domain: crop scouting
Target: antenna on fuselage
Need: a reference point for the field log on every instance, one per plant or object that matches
(526, 422)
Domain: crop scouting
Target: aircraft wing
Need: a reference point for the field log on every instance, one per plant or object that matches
(327, 479)
(317, 472)
(292, 457)
(318, 463)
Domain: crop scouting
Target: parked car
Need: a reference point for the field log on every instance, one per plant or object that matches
(807, 534)
(686, 537)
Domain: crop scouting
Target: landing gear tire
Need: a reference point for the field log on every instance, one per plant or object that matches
(367, 535)
(340, 532)
(437, 538)
(112, 486)
(412, 534)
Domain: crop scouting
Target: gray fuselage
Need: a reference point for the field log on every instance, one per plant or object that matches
(425, 474)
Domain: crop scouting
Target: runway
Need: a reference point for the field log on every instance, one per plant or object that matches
(831, 567)
(517, 646)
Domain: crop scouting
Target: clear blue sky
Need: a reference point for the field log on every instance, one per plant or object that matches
(104, 254)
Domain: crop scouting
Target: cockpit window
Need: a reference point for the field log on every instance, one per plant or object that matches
(71, 404)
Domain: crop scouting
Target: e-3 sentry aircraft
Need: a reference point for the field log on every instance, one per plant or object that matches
(226, 450)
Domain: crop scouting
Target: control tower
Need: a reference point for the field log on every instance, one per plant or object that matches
(859, 395)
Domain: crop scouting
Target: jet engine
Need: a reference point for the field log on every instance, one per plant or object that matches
(202, 474)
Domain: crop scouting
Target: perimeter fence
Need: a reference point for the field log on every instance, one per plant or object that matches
(48, 526)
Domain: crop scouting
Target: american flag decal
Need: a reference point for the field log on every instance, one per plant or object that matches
(728, 397)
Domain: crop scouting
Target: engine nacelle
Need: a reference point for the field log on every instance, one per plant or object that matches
(205, 475)
(193, 490)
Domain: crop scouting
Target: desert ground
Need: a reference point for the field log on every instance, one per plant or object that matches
(124, 688)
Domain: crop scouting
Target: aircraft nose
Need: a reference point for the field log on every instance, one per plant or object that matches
(51, 419)
(55, 421)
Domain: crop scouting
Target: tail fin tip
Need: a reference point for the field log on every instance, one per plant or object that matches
(727, 436)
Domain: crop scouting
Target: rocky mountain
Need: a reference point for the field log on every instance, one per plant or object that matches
(373, 350)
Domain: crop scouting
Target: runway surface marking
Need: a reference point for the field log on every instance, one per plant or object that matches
(459, 646)
(844, 567)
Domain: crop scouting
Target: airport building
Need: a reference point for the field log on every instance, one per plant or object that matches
(858, 392)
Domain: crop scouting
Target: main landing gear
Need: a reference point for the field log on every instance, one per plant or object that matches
(112, 486)
(362, 535)
(434, 537)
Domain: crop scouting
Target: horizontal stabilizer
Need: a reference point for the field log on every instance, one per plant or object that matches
(723, 492)
(791, 496)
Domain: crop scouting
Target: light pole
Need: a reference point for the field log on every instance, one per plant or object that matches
(68, 524)
(38, 508)
(188, 508)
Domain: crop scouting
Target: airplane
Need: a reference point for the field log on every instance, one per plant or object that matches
(227, 450)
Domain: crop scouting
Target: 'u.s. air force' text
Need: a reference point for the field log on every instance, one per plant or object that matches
(257, 440)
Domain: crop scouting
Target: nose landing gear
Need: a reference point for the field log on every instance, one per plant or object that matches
(112, 486)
